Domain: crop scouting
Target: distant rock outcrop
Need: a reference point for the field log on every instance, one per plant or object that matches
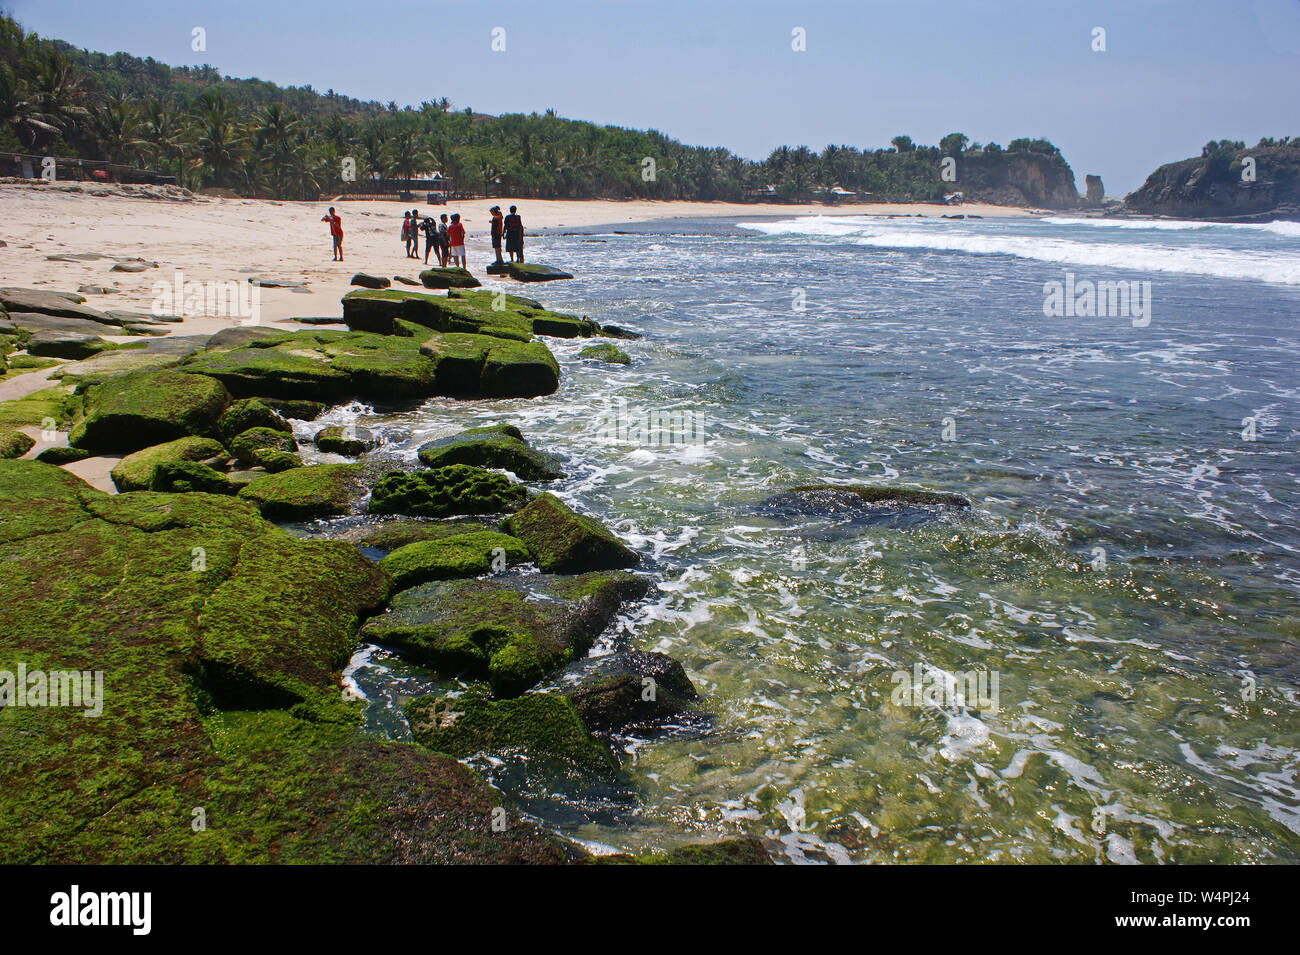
(1228, 181)
(1096, 192)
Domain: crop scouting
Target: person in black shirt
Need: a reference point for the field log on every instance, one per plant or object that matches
(430, 229)
(514, 227)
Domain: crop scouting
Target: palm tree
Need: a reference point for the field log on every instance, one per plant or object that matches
(119, 131)
(60, 99)
(166, 131)
(221, 145)
(20, 110)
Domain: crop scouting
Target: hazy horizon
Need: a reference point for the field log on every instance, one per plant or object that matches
(1173, 75)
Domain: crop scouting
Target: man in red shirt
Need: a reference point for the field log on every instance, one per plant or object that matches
(336, 232)
(456, 236)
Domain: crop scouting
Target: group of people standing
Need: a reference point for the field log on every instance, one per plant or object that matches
(445, 236)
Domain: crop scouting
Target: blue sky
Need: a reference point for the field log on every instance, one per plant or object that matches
(1175, 73)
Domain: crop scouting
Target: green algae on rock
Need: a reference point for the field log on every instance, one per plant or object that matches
(200, 708)
(50, 406)
(448, 278)
(276, 460)
(445, 492)
(334, 440)
(630, 688)
(62, 455)
(489, 629)
(185, 477)
(543, 726)
(250, 413)
(246, 445)
(135, 471)
(610, 354)
(563, 542)
(319, 490)
(496, 446)
(463, 555)
(391, 535)
(137, 410)
(745, 850)
(14, 444)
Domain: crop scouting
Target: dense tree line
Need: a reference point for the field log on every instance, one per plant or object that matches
(261, 139)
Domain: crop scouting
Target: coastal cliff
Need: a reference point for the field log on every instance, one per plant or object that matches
(1221, 184)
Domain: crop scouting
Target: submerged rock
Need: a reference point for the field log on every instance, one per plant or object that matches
(496, 446)
(140, 409)
(135, 471)
(629, 689)
(858, 503)
(445, 492)
(542, 726)
(491, 629)
(563, 542)
(471, 554)
(744, 850)
(319, 490)
(610, 354)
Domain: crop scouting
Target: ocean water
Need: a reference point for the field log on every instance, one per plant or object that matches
(1127, 574)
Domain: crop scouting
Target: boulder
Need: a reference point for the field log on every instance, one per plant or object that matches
(370, 281)
(298, 494)
(276, 460)
(141, 409)
(498, 631)
(68, 345)
(446, 491)
(135, 471)
(250, 413)
(300, 410)
(394, 534)
(334, 440)
(245, 444)
(132, 265)
(618, 691)
(610, 354)
(462, 555)
(184, 477)
(543, 727)
(562, 542)
(528, 272)
(14, 444)
(498, 446)
(448, 278)
(62, 455)
(406, 280)
(65, 304)
(615, 331)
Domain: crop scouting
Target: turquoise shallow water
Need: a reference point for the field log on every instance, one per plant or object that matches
(1128, 571)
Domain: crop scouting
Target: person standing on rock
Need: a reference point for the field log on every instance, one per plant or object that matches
(514, 227)
(456, 236)
(336, 233)
(498, 228)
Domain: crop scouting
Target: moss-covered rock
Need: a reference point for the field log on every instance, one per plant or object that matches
(610, 354)
(448, 278)
(186, 477)
(275, 460)
(54, 407)
(463, 555)
(138, 410)
(62, 455)
(542, 726)
(335, 440)
(219, 637)
(67, 345)
(135, 471)
(489, 629)
(394, 534)
(14, 444)
(249, 413)
(628, 689)
(321, 490)
(562, 542)
(446, 491)
(497, 446)
(246, 445)
(519, 370)
(301, 409)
